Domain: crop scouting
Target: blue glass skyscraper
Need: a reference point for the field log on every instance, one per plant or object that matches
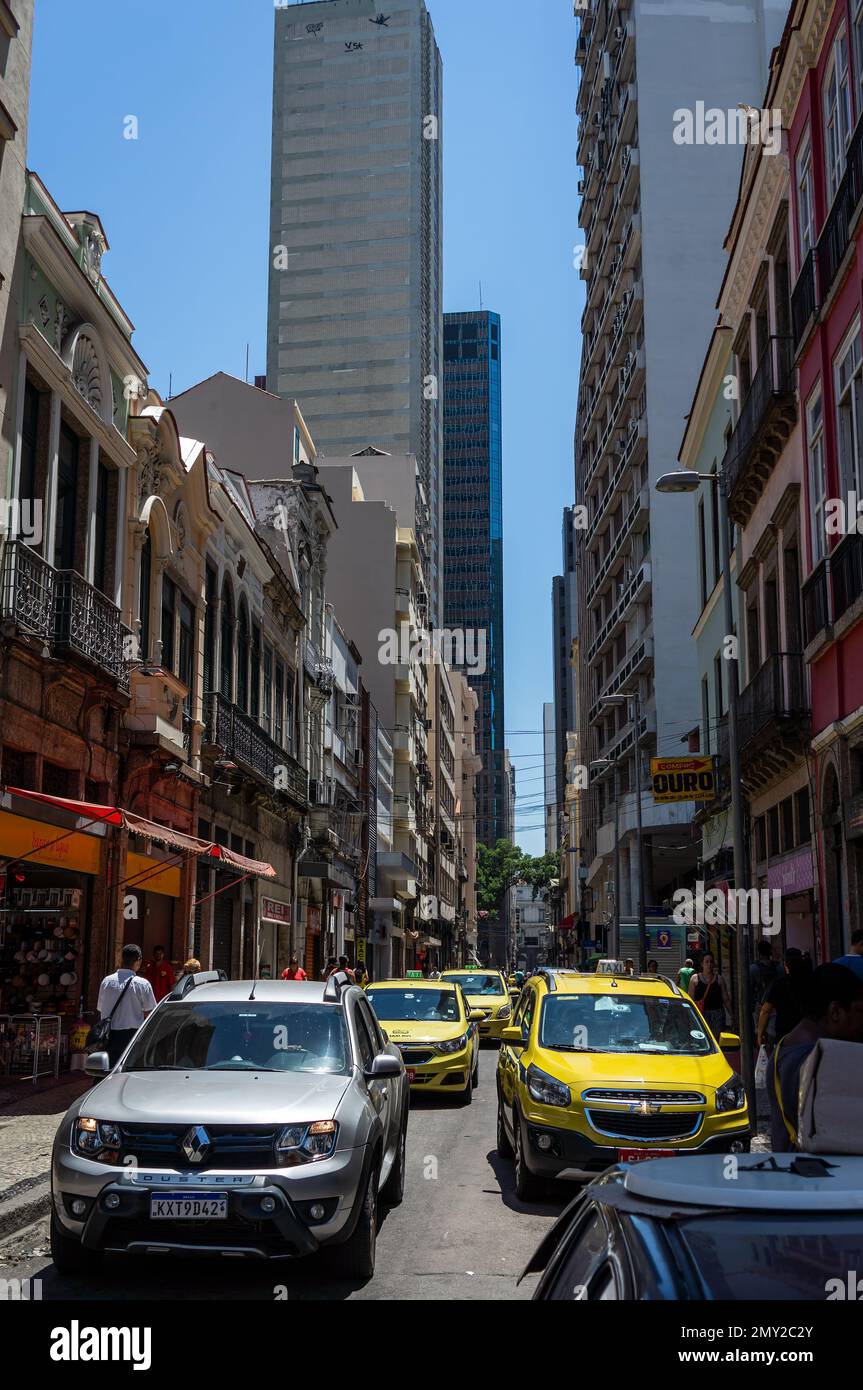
(473, 536)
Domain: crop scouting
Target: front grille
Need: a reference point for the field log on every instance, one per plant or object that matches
(161, 1146)
(619, 1124)
(656, 1097)
(120, 1232)
(416, 1058)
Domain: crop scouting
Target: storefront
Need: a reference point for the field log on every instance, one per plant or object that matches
(274, 938)
(794, 879)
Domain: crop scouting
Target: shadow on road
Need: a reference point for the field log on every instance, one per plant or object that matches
(558, 1195)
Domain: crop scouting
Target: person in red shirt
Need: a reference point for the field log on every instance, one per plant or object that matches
(160, 973)
(294, 971)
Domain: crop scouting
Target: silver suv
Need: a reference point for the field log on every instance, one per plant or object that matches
(256, 1118)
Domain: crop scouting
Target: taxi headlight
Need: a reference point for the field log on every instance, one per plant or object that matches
(99, 1139)
(504, 1012)
(453, 1044)
(306, 1143)
(545, 1089)
(731, 1096)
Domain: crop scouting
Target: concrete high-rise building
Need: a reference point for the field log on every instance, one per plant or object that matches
(564, 603)
(355, 278)
(549, 781)
(473, 534)
(656, 199)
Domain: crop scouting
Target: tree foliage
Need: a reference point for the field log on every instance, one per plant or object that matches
(503, 866)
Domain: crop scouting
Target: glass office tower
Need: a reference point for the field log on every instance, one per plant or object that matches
(473, 536)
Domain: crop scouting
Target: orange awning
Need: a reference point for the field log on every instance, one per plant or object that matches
(151, 830)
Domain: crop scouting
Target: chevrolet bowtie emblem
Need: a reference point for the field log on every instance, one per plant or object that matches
(196, 1144)
(645, 1107)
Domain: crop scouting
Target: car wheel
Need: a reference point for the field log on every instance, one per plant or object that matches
(504, 1147)
(356, 1258)
(527, 1185)
(394, 1187)
(466, 1096)
(69, 1255)
(475, 1074)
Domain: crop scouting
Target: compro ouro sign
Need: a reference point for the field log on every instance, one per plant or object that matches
(682, 779)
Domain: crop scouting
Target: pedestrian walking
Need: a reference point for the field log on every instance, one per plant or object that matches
(685, 974)
(709, 988)
(833, 1009)
(762, 972)
(785, 1000)
(294, 971)
(331, 965)
(343, 965)
(125, 1000)
(854, 959)
(160, 973)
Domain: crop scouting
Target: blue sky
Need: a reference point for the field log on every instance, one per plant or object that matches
(185, 208)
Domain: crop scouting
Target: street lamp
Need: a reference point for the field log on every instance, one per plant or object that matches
(615, 931)
(613, 702)
(687, 480)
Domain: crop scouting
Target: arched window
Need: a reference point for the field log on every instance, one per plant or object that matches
(226, 682)
(243, 659)
(144, 596)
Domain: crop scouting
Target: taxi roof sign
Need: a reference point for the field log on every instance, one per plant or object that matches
(414, 975)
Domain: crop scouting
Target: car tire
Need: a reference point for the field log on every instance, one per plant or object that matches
(356, 1258)
(474, 1078)
(528, 1187)
(394, 1188)
(69, 1255)
(466, 1096)
(504, 1147)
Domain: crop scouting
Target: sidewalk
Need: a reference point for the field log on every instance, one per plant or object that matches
(29, 1116)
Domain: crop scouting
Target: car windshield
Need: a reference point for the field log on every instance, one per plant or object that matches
(242, 1036)
(622, 1023)
(475, 982)
(781, 1255)
(415, 1005)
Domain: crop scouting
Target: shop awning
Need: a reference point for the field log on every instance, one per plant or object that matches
(566, 923)
(150, 830)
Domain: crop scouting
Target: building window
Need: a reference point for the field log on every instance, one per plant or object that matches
(849, 413)
(804, 828)
(226, 675)
(29, 443)
(268, 690)
(169, 609)
(805, 198)
(186, 664)
(707, 740)
(255, 708)
(100, 570)
(817, 480)
(243, 659)
(837, 113)
(858, 49)
(144, 596)
(211, 587)
(67, 499)
(289, 710)
(280, 701)
(702, 553)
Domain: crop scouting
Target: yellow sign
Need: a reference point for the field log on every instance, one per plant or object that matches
(21, 837)
(683, 779)
(144, 874)
(361, 951)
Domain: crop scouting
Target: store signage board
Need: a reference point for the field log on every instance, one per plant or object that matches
(682, 779)
(274, 911)
(144, 875)
(33, 838)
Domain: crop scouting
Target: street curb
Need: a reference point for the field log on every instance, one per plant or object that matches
(25, 1206)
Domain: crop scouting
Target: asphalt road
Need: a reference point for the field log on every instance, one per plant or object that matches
(461, 1233)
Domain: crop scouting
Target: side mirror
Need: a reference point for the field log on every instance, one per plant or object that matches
(512, 1036)
(476, 1016)
(383, 1067)
(97, 1064)
(729, 1042)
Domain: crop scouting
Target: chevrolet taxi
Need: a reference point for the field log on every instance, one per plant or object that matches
(601, 1069)
(431, 1024)
(487, 992)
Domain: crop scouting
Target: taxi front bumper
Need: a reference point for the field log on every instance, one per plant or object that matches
(438, 1071)
(554, 1152)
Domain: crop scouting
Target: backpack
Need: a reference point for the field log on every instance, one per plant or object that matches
(830, 1109)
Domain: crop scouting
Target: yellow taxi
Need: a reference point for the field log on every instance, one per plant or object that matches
(602, 1069)
(487, 992)
(437, 1034)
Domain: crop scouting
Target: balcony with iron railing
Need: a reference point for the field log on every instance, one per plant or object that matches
(835, 238)
(763, 428)
(846, 573)
(817, 615)
(240, 738)
(68, 614)
(772, 718)
(805, 299)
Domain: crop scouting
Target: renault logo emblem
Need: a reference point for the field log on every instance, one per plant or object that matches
(196, 1144)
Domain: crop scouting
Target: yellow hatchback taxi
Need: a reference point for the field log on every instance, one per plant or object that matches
(603, 1069)
(430, 1023)
(487, 991)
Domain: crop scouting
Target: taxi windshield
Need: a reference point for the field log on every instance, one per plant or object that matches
(477, 982)
(242, 1036)
(414, 1005)
(625, 1023)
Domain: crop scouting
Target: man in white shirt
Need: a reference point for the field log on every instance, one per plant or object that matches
(127, 999)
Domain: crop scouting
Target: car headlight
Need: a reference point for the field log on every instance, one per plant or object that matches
(99, 1139)
(546, 1089)
(731, 1096)
(453, 1044)
(306, 1143)
(504, 1012)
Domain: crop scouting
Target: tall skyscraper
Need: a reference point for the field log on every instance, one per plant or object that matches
(473, 531)
(564, 604)
(355, 273)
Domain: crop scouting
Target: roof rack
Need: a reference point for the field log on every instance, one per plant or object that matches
(190, 982)
(336, 985)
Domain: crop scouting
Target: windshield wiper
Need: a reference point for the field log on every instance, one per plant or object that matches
(570, 1047)
(239, 1066)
